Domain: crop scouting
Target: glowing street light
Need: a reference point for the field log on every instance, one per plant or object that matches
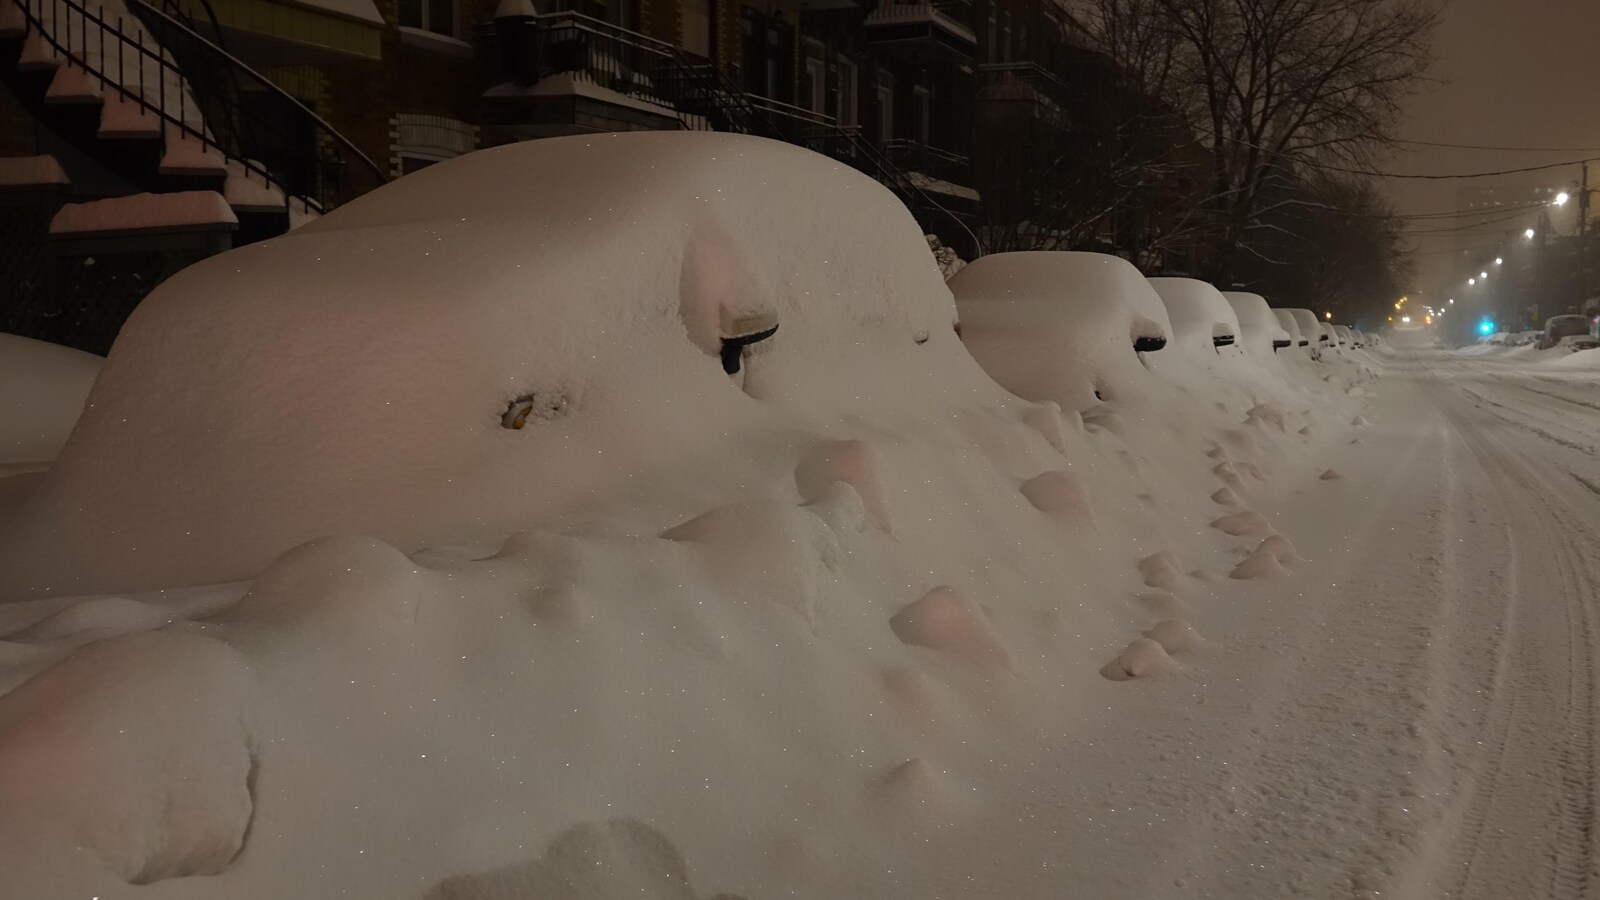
(1405, 320)
(1498, 261)
(1328, 316)
(1452, 300)
(1471, 282)
(1562, 198)
(1483, 276)
(1529, 234)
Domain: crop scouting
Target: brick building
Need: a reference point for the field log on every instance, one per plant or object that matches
(283, 108)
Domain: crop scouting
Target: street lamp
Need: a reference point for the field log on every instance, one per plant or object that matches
(1471, 282)
(1529, 234)
(1452, 301)
(1484, 275)
(1562, 198)
(1498, 261)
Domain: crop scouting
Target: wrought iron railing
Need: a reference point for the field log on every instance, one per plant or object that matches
(249, 114)
(136, 60)
(655, 72)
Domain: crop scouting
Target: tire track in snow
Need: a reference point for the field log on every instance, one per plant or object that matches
(1542, 695)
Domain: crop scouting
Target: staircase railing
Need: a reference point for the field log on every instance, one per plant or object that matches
(341, 170)
(99, 44)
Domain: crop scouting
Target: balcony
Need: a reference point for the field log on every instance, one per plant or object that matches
(930, 31)
(1023, 88)
(933, 170)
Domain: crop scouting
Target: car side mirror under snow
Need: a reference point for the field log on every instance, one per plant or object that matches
(740, 332)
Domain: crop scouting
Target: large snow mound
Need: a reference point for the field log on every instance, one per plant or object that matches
(1085, 312)
(815, 628)
(353, 375)
(42, 390)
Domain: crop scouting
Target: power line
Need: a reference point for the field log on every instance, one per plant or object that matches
(1372, 173)
(1502, 149)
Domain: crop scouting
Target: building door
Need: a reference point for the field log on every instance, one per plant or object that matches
(697, 27)
(767, 54)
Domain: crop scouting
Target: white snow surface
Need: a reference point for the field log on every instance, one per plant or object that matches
(42, 389)
(1199, 313)
(295, 615)
(185, 208)
(1084, 310)
(1259, 328)
(1290, 326)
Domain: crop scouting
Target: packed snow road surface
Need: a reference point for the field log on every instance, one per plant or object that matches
(1418, 719)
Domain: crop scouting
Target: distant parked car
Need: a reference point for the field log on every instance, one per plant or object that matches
(1344, 336)
(1558, 327)
(1572, 343)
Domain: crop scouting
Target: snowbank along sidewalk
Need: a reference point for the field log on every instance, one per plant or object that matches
(434, 551)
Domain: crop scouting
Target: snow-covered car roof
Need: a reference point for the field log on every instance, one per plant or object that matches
(1201, 318)
(1056, 325)
(1342, 332)
(367, 372)
(1260, 331)
(1291, 326)
(1310, 325)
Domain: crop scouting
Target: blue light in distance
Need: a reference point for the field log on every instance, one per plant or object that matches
(1486, 327)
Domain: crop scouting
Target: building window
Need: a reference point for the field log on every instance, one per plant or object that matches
(437, 16)
(814, 86)
(845, 103)
(885, 107)
(767, 54)
(921, 108)
(419, 141)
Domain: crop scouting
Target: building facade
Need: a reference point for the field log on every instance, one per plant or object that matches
(285, 108)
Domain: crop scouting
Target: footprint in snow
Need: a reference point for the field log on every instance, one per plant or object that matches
(1161, 570)
(1330, 475)
(1175, 636)
(1142, 658)
(1247, 522)
(942, 620)
(1261, 564)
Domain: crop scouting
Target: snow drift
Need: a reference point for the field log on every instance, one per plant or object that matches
(532, 596)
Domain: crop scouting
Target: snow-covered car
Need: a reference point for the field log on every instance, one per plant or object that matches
(1067, 327)
(1291, 325)
(1525, 338)
(1342, 334)
(1259, 327)
(1572, 343)
(1558, 327)
(1202, 319)
(366, 373)
(1329, 338)
(1310, 328)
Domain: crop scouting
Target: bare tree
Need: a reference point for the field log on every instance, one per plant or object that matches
(1270, 86)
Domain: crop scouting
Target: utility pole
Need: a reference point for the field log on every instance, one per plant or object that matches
(1583, 238)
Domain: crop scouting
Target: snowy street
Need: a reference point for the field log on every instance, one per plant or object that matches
(776, 563)
(1416, 718)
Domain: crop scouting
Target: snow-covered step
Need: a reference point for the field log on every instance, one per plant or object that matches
(13, 23)
(124, 117)
(23, 172)
(188, 155)
(71, 85)
(37, 54)
(247, 191)
(143, 212)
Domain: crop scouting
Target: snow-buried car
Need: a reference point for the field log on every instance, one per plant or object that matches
(470, 350)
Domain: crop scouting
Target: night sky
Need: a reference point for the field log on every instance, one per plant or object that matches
(1522, 73)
